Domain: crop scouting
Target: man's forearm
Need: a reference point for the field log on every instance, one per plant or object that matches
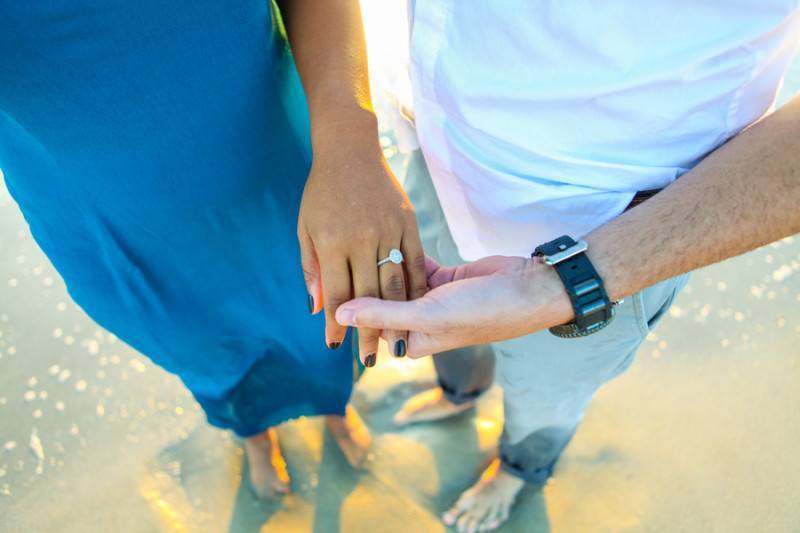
(743, 195)
(327, 41)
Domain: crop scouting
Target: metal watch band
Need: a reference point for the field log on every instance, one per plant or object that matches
(593, 309)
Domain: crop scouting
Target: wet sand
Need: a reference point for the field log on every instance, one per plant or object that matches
(701, 434)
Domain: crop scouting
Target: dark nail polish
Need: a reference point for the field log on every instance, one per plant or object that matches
(400, 348)
(369, 360)
(310, 304)
(334, 345)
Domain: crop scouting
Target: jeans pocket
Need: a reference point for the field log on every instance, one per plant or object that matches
(652, 303)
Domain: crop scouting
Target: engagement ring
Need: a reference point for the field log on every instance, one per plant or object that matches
(395, 256)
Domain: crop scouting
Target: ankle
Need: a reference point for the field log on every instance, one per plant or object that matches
(496, 473)
(263, 441)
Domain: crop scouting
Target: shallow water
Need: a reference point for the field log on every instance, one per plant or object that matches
(700, 435)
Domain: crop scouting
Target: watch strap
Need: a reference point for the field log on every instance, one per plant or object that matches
(593, 309)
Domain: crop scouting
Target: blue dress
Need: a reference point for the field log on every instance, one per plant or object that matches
(158, 150)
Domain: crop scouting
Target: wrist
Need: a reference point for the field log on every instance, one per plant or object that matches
(543, 287)
(610, 273)
(345, 129)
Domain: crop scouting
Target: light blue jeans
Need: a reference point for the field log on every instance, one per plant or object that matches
(547, 381)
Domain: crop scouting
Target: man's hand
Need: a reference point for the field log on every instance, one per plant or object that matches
(353, 213)
(743, 195)
(492, 299)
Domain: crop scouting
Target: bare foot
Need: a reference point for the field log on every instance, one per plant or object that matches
(428, 406)
(268, 475)
(351, 435)
(485, 505)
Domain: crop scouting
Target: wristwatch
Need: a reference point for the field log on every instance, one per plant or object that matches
(593, 309)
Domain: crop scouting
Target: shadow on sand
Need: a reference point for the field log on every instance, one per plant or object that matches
(413, 476)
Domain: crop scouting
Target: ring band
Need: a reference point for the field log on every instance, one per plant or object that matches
(395, 256)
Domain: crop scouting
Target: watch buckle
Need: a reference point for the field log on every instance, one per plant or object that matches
(565, 253)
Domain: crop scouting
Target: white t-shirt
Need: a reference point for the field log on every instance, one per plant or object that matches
(539, 118)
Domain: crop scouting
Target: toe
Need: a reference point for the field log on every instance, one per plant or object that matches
(504, 513)
(281, 487)
(491, 521)
(468, 522)
(478, 516)
(400, 418)
(490, 525)
(450, 517)
(461, 506)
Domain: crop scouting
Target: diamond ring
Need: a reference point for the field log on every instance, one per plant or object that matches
(395, 256)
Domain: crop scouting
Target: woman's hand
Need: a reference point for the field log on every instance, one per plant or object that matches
(352, 214)
(492, 299)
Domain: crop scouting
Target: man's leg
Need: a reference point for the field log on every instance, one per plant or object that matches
(463, 374)
(548, 382)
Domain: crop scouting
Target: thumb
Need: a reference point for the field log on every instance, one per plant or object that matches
(311, 273)
(412, 315)
(415, 316)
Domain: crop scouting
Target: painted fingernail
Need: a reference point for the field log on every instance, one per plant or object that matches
(369, 360)
(310, 304)
(334, 345)
(400, 348)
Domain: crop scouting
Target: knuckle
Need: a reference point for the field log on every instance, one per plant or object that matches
(418, 262)
(418, 291)
(368, 293)
(332, 303)
(394, 285)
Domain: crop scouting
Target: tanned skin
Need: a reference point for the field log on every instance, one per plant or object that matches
(354, 211)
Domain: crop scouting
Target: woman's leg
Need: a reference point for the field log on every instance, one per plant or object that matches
(351, 434)
(349, 430)
(266, 465)
(271, 392)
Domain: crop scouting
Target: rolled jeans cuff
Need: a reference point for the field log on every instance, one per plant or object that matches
(537, 477)
(456, 397)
